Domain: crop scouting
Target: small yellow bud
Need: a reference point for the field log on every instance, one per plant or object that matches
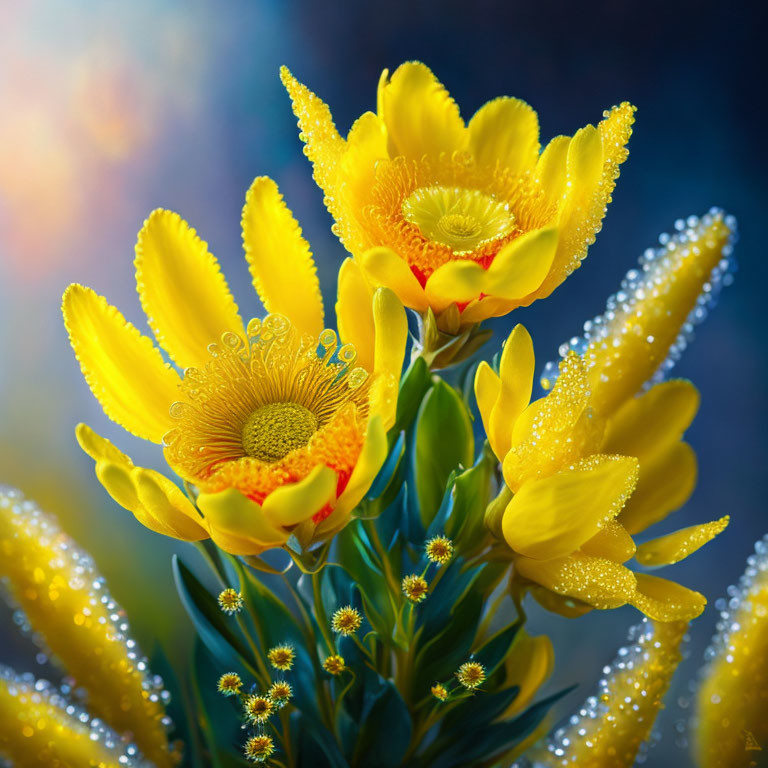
(259, 748)
(471, 674)
(258, 708)
(334, 665)
(346, 621)
(230, 601)
(439, 550)
(415, 588)
(439, 691)
(281, 657)
(230, 684)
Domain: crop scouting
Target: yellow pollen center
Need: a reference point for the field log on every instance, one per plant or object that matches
(462, 219)
(274, 430)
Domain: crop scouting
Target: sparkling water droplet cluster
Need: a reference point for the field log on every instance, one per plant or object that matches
(615, 728)
(62, 603)
(657, 268)
(732, 694)
(52, 727)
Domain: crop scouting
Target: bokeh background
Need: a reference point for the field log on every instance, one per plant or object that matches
(109, 109)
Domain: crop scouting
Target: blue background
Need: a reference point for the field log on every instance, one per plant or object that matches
(111, 109)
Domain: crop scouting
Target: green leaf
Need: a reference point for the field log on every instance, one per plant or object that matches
(223, 643)
(492, 653)
(385, 730)
(443, 443)
(472, 493)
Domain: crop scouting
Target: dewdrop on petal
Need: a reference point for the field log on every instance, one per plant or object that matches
(230, 601)
(66, 605)
(281, 657)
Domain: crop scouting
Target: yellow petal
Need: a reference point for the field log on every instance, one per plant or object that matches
(391, 337)
(592, 167)
(239, 525)
(528, 665)
(294, 503)
(612, 543)
(551, 173)
(371, 459)
(562, 605)
(421, 118)
(487, 389)
(595, 581)
(165, 502)
(521, 266)
(324, 145)
(638, 337)
(98, 447)
(505, 131)
(151, 500)
(366, 145)
(553, 516)
(676, 546)
(665, 484)
(664, 600)
(516, 369)
(183, 292)
(456, 281)
(646, 425)
(125, 372)
(354, 312)
(384, 267)
(279, 258)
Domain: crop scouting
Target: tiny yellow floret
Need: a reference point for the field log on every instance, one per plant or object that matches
(258, 709)
(439, 550)
(279, 693)
(230, 601)
(281, 657)
(415, 588)
(439, 691)
(259, 748)
(471, 674)
(230, 684)
(346, 621)
(334, 665)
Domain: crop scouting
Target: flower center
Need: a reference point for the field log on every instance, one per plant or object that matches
(462, 219)
(272, 431)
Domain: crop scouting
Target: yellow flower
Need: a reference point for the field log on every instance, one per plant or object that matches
(259, 748)
(39, 729)
(230, 684)
(439, 550)
(611, 728)
(733, 697)
(415, 588)
(346, 621)
(439, 691)
(334, 665)
(65, 600)
(571, 460)
(279, 438)
(258, 709)
(471, 674)
(230, 600)
(281, 657)
(280, 692)
(446, 213)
